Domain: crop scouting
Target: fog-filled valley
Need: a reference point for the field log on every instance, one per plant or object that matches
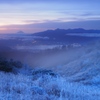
(39, 67)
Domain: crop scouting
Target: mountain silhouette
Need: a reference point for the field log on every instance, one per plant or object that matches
(59, 32)
(20, 32)
(60, 35)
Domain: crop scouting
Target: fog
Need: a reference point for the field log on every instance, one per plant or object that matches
(37, 55)
(64, 71)
(54, 57)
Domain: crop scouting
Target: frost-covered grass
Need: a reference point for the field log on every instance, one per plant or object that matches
(44, 87)
(78, 79)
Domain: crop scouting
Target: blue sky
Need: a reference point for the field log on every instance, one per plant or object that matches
(38, 15)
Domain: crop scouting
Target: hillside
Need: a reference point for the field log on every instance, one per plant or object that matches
(77, 78)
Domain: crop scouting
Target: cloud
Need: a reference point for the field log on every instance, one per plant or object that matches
(37, 15)
(29, 1)
(37, 27)
(87, 14)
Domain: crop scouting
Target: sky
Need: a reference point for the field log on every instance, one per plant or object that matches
(33, 16)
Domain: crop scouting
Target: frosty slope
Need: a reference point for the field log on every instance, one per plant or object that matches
(76, 80)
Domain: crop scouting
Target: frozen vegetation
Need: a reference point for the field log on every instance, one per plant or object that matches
(77, 79)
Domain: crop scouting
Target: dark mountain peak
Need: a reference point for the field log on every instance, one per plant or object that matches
(20, 32)
(58, 29)
(80, 29)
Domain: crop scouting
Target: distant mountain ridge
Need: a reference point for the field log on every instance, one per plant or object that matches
(60, 32)
(63, 36)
